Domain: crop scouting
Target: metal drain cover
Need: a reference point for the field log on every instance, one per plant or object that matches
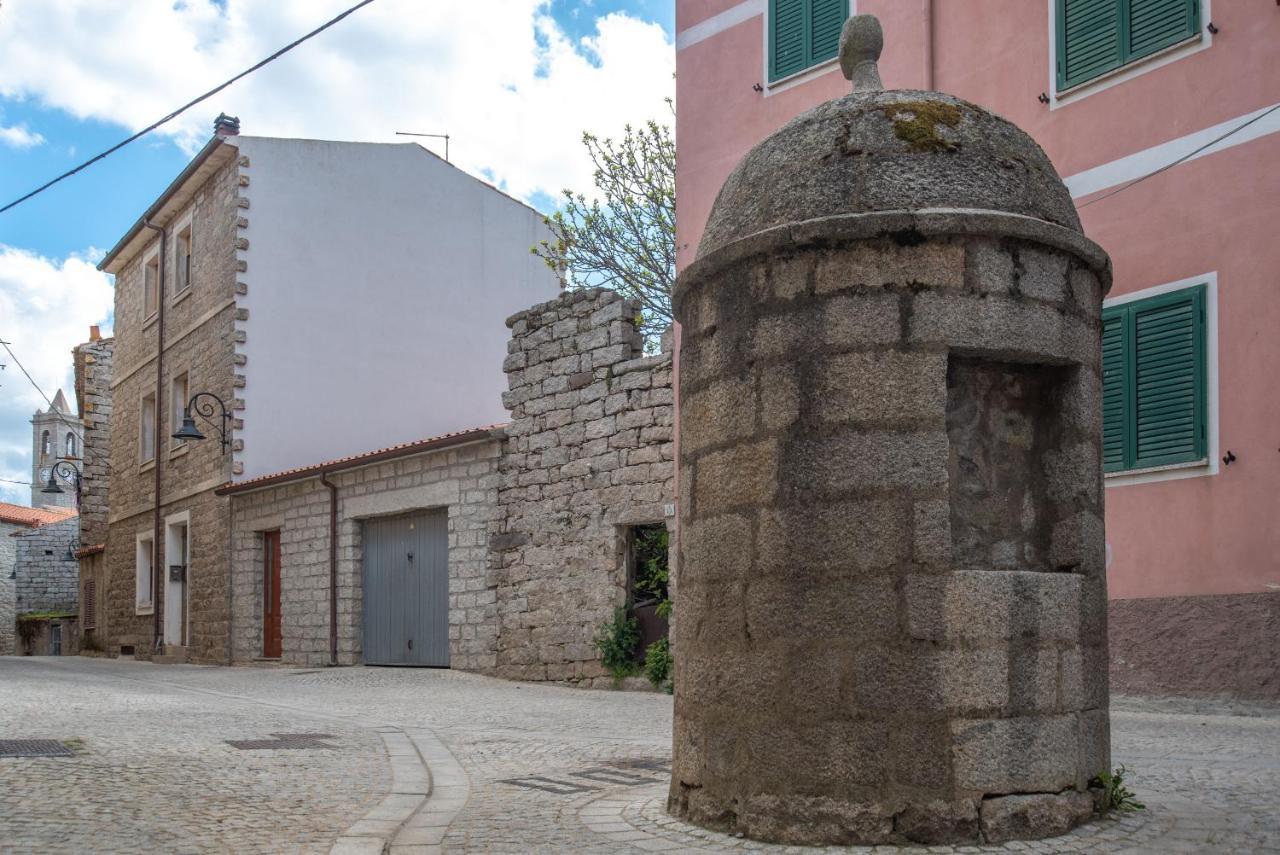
(283, 741)
(34, 748)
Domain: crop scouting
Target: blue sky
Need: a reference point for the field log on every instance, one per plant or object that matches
(514, 81)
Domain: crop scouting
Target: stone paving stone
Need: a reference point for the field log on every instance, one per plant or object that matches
(155, 775)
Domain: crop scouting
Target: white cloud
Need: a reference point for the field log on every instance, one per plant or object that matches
(500, 76)
(17, 136)
(46, 308)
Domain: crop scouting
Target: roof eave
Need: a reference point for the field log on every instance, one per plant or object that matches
(483, 434)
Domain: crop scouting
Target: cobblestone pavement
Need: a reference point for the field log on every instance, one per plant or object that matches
(516, 767)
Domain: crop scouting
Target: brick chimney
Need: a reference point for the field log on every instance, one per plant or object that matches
(226, 126)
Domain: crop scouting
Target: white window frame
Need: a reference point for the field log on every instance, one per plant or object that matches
(1199, 468)
(183, 225)
(176, 407)
(143, 459)
(1124, 73)
(144, 551)
(151, 255)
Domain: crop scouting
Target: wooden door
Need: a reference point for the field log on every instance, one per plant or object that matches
(271, 637)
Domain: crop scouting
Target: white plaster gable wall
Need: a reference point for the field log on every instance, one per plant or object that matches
(379, 279)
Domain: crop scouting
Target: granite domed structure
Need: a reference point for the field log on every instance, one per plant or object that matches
(892, 598)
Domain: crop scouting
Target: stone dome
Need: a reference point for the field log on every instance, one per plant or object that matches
(881, 150)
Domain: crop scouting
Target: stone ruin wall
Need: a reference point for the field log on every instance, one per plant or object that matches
(589, 451)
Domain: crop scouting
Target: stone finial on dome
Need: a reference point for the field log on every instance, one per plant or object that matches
(861, 41)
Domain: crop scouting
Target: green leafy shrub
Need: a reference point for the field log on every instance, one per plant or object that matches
(617, 640)
(1115, 796)
(657, 664)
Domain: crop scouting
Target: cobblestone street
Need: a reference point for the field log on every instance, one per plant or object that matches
(513, 767)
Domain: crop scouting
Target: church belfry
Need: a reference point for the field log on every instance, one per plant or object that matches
(56, 434)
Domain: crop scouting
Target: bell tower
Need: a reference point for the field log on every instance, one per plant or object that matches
(56, 435)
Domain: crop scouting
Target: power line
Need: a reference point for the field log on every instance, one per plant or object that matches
(23, 483)
(187, 106)
(1184, 158)
(35, 385)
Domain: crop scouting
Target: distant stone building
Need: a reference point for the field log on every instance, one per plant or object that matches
(233, 283)
(56, 435)
(16, 522)
(499, 549)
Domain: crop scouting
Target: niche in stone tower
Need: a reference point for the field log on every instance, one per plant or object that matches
(1004, 430)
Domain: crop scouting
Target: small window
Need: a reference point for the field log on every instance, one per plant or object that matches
(182, 260)
(177, 405)
(147, 433)
(71, 446)
(1153, 381)
(151, 287)
(1098, 36)
(46, 446)
(803, 33)
(143, 575)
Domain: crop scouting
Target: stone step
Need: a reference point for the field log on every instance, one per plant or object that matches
(173, 655)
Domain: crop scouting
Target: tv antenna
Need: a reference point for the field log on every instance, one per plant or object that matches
(444, 137)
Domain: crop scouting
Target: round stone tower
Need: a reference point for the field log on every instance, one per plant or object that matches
(892, 600)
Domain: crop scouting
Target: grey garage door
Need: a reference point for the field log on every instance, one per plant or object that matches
(406, 590)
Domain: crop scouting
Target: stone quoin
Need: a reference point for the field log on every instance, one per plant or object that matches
(892, 592)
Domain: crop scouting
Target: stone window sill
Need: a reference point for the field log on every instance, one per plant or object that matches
(145, 609)
(180, 296)
(802, 76)
(150, 319)
(147, 465)
(178, 450)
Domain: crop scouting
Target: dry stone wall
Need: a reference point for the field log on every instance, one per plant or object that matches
(93, 362)
(47, 576)
(589, 451)
(8, 592)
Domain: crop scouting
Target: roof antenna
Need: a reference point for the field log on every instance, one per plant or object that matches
(444, 137)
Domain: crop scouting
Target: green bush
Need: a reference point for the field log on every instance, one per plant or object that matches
(1115, 795)
(617, 640)
(657, 664)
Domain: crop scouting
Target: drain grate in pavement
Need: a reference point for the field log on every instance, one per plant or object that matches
(34, 748)
(283, 741)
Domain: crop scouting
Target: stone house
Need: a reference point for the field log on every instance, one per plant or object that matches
(17, 520)
(508, 543)
(237, 282)
(46, 578)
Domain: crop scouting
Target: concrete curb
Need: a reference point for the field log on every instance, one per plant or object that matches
(428, 789)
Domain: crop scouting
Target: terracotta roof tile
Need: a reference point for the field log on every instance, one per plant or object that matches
(402, 450)
(34, 517)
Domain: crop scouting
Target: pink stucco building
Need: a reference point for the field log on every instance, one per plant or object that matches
(1113, 90)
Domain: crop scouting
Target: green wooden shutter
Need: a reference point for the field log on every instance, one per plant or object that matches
(1168, 378)
(824, 33)
(1096, 36)
(803, 33)
(1089, 42)
(1115, 384)
(1154, 398)
(788, 20)
(1156, 24)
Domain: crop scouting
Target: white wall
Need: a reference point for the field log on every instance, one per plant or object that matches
(379, 279)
